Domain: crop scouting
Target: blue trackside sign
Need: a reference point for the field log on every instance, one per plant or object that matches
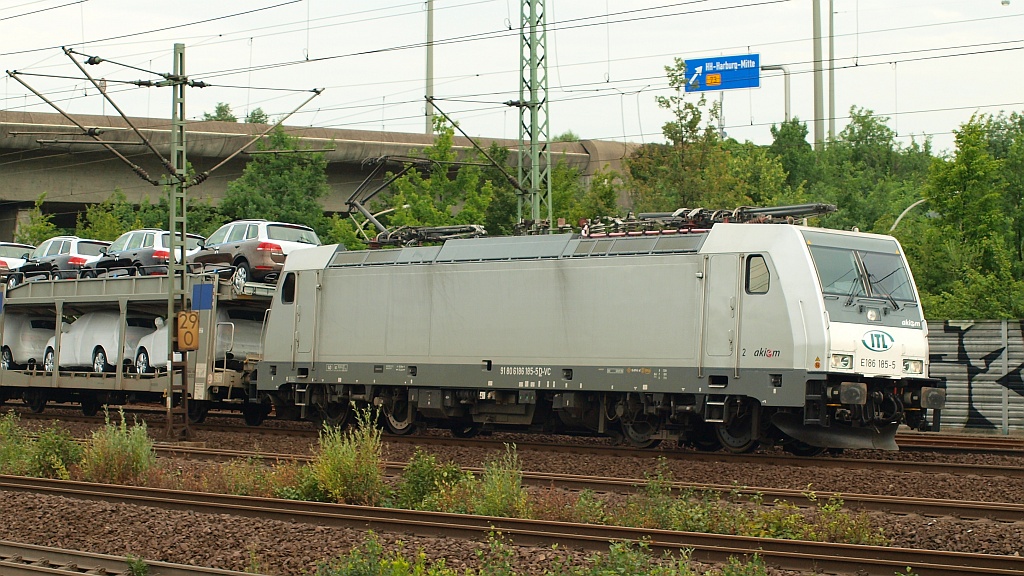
(723, 73)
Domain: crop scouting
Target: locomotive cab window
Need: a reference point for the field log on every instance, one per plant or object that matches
(288, 289)
(757, 279)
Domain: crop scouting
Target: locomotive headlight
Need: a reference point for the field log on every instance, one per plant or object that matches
(842, 361)
(913, 366)
(873, 314)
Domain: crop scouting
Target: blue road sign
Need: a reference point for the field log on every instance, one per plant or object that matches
(723, 73)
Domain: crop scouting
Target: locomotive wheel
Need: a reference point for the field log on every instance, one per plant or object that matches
(462, 430)
(638, 434)
(335, 414)
(737, 435)
(397, 419)
(705, 439)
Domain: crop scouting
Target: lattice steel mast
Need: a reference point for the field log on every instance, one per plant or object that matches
(534, 163)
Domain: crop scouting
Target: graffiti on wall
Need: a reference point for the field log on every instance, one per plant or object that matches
(975, 370)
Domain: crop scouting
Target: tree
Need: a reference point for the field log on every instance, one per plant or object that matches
(286, 187)
(435, 198)
(108, 219)
(790, 146)
(39, 226)
(222, 113)
(257, 116)
(674, 175)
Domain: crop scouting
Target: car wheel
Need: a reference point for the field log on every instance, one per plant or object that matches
(142, 365)
(89, 274)
(48, 360)
(7, 359)
(55, 274)
(13, 280)
(243, 273)
(99, 361)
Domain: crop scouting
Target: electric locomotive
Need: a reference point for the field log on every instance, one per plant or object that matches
(723, 335)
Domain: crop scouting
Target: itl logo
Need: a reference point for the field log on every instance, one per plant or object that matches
(878, 341)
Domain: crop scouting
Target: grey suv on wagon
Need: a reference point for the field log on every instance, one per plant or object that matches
(255, 248)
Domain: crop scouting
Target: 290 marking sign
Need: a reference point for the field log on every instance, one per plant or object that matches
(188, 331)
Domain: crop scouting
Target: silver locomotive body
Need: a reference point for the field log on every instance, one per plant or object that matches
(732, 336)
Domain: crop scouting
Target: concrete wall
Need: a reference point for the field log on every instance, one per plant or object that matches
(45, 153)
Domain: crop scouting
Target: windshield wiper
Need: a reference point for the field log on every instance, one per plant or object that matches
(853, 291)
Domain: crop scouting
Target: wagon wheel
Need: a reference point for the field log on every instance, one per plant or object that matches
(737, 435)
(253, 414)
(197, 410)
(90, 405)
(35, 400)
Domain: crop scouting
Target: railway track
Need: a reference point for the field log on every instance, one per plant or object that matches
(935, 507)
(788, 555)
(27, 560)
(776, 458)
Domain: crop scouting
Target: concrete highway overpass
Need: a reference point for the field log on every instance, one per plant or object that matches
(46, 153)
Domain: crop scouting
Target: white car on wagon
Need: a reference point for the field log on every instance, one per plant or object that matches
(239, 333)
(92, 340)
(25, 338)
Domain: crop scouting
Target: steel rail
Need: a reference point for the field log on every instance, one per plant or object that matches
(18, 559)
(785, 554)
(934, 507)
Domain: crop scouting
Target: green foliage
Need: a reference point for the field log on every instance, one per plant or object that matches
(424, 477)
(343, 231)
(287, 187)
(349, 465)
(754, 567)
(257, 116)
(49, 455)
(14, 446)
(369, 559)
(118, 454)
(53, 452)
(136, 566)
(110, 218)
(437, 198)
(501, 491)
(222, 112)
(39, 226)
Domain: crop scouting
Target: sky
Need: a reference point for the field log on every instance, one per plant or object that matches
(926, 65)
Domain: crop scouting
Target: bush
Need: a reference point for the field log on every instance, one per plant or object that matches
(422, 478)
(117, 454)
(14, 457)
(52, 453)
(501, 491)
(371, 560)
(349, 466)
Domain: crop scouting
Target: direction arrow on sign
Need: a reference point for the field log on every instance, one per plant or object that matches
(724, 72)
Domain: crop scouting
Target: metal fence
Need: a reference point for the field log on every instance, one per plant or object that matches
(981, 362)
